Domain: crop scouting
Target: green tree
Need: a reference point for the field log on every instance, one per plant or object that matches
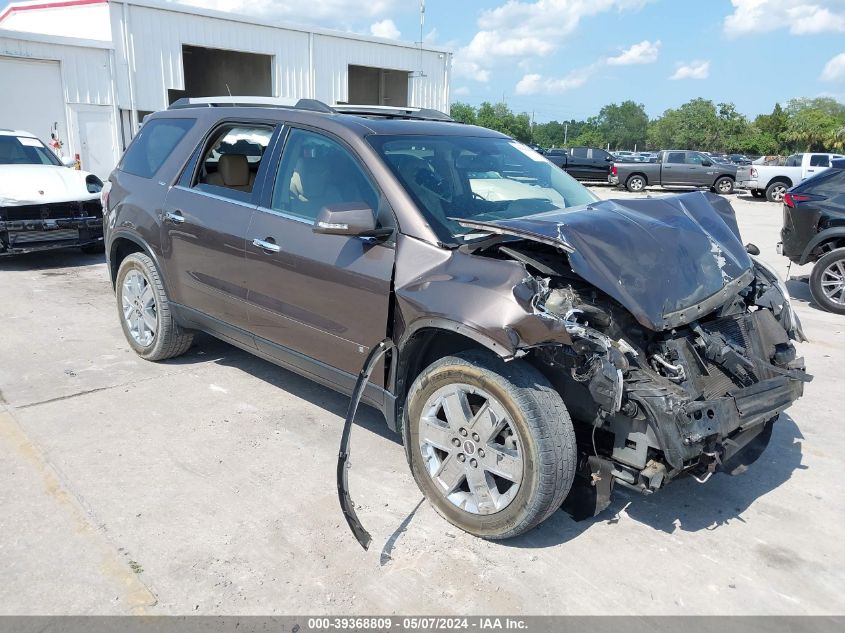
(813, 123)
(462, 112)
(774, 124)
(624, 126)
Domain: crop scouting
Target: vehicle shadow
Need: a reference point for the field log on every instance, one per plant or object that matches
(43, 260)
(799, 290)
(685, 504)
(206, 349)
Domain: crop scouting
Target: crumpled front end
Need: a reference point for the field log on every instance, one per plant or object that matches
(668, 376)
(36, 227)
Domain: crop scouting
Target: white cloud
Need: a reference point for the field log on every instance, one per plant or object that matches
(834, 70)
(643, 53)
(520, 29)
(386, 28)
(801, 17)
(534, 83)
(693, 70)
(325, 11)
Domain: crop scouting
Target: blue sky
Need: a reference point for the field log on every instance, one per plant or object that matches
(563, 59)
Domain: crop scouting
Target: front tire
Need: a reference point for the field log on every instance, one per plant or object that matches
(144, 311)
(490, 444)
(635, 183)
(827, 281)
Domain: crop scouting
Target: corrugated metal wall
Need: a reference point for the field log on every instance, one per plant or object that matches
(156, 36)
(86, 77)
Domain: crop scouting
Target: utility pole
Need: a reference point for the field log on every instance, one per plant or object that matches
(565, 133)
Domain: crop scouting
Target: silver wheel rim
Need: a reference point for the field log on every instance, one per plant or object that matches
(724, 186)
(833, 282)
(636, 184)
(777, 193)
(139, 308)
(471, 449)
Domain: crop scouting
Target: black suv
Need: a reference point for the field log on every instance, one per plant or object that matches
(540, 340)
(814, 231)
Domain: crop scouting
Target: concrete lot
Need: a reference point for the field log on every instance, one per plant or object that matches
(205, 485)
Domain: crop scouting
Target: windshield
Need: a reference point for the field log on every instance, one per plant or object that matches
(25, 150)
(476, 178)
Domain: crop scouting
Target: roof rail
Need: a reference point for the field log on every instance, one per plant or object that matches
(261, 102)
(393, 112)
(314, 105)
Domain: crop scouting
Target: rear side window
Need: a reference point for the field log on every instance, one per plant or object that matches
(794, 160)
(153, 145)
(819, 160)
(675, 157)
(579, 152)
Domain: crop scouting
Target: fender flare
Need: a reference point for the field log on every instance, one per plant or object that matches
(142, 244)
(820, 238)
(500, 348)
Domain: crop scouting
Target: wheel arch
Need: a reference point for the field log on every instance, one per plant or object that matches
(121, 245)
(834, 235)
(637, 173)
(430, 340)
(784, 179)
(720, 176)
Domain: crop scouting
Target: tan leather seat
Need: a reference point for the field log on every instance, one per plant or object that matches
(232, 172)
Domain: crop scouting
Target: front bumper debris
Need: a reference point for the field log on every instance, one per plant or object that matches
(31, 228)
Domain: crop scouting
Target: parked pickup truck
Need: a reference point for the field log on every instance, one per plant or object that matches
(772, 181)
(675, 168)
(582, 163)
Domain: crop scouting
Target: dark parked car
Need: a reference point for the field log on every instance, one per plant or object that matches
(535, 348)
(43, 204)
(676, 168)
(814, 231)
(582, 163)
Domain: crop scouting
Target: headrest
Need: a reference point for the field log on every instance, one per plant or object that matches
(234, 170)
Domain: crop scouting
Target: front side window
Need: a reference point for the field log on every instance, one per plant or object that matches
(317, 171)
(25, 150)
(476, 178)
(230, 161)
(153, 144)
(819, 160)
(694, 158)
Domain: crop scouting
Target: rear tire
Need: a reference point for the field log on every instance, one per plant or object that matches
(827, 281)
(724, 185)
(635, 183)
(490, 444)
(775, 191)
(144, 311)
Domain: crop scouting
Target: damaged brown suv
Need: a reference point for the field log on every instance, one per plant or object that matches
(544, 345)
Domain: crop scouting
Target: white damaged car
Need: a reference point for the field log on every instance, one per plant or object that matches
(43, 203)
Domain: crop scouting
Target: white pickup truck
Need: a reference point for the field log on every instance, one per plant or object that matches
(772, 181)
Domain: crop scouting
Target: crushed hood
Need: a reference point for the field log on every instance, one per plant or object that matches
(668, 260)
(42, 184)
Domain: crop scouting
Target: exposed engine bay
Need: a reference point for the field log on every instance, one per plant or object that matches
(692, 389)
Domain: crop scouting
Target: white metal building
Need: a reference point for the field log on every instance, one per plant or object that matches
(98, 66)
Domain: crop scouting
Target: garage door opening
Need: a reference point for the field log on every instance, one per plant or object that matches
(212, 72)
(378, 86)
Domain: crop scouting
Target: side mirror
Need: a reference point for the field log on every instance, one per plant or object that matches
(350, 218)
(751, 249)
(706, 163)
(67, 161)
(608, 158)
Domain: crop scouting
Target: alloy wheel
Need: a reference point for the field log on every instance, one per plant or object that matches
(139, 308)
(471, 448)
(778, 193)
(833, 282)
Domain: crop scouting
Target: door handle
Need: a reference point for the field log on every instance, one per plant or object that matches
(268, 245)
(174, 216)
